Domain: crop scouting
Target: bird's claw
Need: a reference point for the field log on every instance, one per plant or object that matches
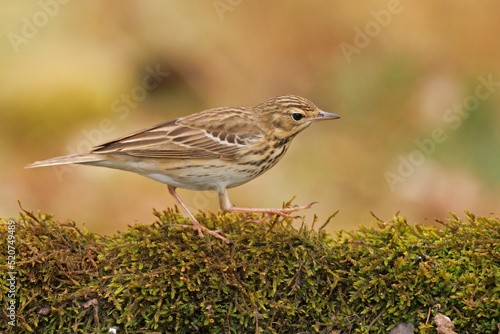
(282, 212)
(214, 233)
(200, 228)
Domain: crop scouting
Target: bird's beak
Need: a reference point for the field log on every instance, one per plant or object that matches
(324, 116)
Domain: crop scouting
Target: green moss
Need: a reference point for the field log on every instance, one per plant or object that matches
(273, 278)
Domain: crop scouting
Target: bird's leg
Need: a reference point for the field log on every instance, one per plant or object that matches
(196, 225)
(226, 205)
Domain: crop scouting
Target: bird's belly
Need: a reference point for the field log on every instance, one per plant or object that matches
(201, 175)
(215, 174)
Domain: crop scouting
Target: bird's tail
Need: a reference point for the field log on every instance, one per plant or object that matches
(68, 159)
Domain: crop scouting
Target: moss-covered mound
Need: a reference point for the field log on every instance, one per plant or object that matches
(273, 278)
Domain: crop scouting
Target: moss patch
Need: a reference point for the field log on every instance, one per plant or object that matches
(273, 278)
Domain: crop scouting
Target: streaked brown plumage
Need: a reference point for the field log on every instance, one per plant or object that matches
(214, 149)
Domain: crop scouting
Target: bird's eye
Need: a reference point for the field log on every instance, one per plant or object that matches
(297, 116)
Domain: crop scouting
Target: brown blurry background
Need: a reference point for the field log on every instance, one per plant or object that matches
(77, 73)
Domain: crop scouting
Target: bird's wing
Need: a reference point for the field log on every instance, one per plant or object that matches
(186, 138)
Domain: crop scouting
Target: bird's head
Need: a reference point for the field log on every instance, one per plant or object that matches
(285, 116)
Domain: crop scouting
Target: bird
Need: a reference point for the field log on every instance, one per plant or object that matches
(215, 149)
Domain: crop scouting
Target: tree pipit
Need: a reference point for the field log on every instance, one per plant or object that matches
(214, 149)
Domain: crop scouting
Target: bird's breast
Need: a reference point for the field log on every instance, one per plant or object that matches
(258, 161)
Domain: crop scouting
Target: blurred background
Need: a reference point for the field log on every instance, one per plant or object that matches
(417, 84)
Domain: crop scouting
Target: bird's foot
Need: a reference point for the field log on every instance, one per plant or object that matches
(269, 212)
(200, 228)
